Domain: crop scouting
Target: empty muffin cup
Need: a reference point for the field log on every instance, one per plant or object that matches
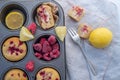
(46, 48)
(13, 16)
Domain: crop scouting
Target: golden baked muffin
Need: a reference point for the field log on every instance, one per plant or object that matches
(13, 49)
(47, 74)
(45, 16)
(14, 19)
(84, 30)
(76, 13)
(53, 6)
(15, 74)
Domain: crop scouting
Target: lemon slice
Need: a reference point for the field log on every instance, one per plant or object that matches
(61, 32)
(25, 34)
(14, 20)
(100, 37)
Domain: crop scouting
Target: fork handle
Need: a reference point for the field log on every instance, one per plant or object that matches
(90, 64)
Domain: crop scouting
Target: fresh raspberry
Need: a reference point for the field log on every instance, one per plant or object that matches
(52, 40)
(46, 47)
(49, 48)
(30, 66)
(47, 57)
(37, 47)
(55, 53)
(32, 28)
(38, 55)
(42, 40)
(56, 46)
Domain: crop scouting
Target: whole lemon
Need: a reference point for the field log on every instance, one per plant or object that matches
(100, 37)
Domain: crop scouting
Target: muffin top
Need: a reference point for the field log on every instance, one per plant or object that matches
(15, 74)
(13, 49)
(47, 74)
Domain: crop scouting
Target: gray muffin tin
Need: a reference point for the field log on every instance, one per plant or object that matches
(28, 7)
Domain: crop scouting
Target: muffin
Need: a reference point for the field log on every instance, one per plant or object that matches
(47, 74)
(15, 74)
(14, 19)
(13, 49)
(46, 15)
(76, 13)
(84, 30)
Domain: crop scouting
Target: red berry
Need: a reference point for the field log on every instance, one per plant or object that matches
(38, 55)
(30, 66)
(55, 46)
(42, 73)
(37, 47)
(52, 40)
(46, 47)
(42, 40)
(55, 53)
(32, 28)
(47, 57)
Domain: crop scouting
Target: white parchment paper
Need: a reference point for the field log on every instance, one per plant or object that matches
(99, 13)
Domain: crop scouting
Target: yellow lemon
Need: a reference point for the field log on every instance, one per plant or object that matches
(14, 20)
(61, 32)
(25, 34)
(100, 37)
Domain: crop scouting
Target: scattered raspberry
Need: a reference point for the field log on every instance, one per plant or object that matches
(30, 66)
(55, 46)
(38, 55)
(52, 40)
(37, 47)
(54, 54)
(47, 57)
(32, 28)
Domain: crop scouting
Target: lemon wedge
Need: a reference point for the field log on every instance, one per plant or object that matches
(100, 37)
(25, 34)
(14, 20)
(61, 32)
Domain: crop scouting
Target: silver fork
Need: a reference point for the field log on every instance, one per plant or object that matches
(76, 39)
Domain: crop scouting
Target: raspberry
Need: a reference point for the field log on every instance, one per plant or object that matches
(56, 46)
(46, 47)
(52, 40)
(32, 28)
(38, 55)
(42, 40)
(55, 53)
(42, 73)
(30, 66)
(37, 47)
(47, 57)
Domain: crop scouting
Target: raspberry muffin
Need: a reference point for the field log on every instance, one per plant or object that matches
(84, 30)
(15, 74)
(46, 15)
(76, 13)
(47, 74)
(13, 49)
